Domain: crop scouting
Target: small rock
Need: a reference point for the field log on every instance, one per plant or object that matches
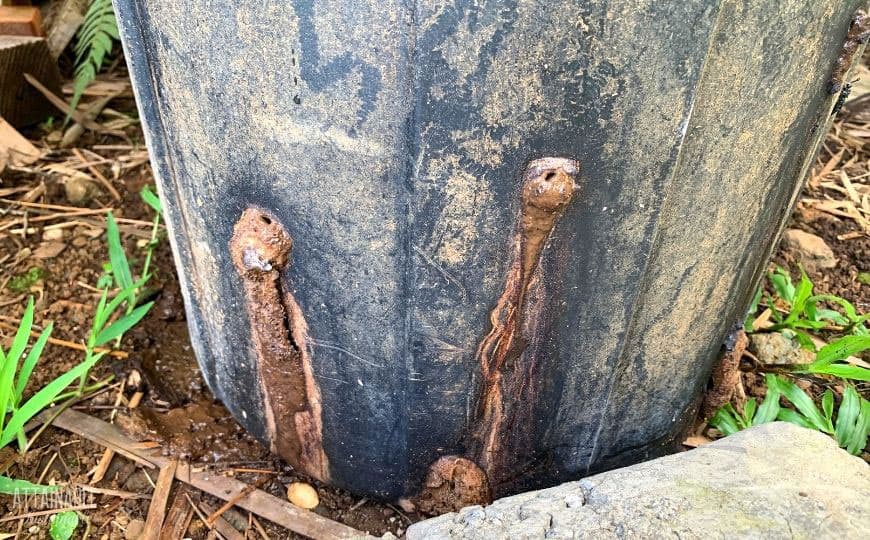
(776, 349)
(49, 250)
(574, 500)
(802, 484)
(80, 189)
(134, 529)
(809, 249)
(407, 506)
(302, 495)
(51, 235)
(79, 241)
(471, 516)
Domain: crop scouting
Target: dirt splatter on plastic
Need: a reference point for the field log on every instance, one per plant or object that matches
(452, 483)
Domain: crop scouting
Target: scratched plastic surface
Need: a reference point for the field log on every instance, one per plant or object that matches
(391, 140)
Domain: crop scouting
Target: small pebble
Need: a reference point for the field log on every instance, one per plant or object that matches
(302, 495)
(52, 234)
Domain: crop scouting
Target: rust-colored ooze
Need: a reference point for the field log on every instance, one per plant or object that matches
(260, 249)
(548, 187)
(859, 33)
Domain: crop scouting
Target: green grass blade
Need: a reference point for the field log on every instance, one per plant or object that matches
(848, 413)
(838, 350)
(828, 405)
(10, 362)
(43, 398)
(117, 328)
(769, 408)
(11, 486)
(151, 199)
(857, 441)
(749, 411)
(725, 422)
(804, 404)
(794, 417)
(782, 285)
(30, 362)
(844, 371)
(120, 266)
(803, 292)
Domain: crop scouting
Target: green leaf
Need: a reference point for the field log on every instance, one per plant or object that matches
(117, 328)
(857, 440)
(10, 362)
(802, 293)
(749, 411)
(151, 199)
(43, 398)
(848, 413)
(11, 486)
(828, 405)
(94, 41)
(845, 371)
(782, 285)
(843, 348)
(805, 341)
(120, 266)
(63, 525)
(724, 420)
(30, 362)
(769, 408)
(804, 404)
(848, 308)
(793, 417)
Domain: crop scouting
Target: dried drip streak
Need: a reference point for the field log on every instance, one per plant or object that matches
(547, 190)
(859, 32)
(260, 248)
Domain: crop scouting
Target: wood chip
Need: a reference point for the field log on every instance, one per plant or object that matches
(157, 510)
(178, 518)
(14, 148)
(49, 250)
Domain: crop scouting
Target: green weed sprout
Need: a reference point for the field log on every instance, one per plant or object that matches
(850, 429)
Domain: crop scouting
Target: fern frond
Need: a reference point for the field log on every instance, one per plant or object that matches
(94, 41)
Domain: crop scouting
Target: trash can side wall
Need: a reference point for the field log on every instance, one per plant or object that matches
(764, 118)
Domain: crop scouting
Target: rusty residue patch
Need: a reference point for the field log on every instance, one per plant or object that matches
(452, 483)
(859, 32)
(548, 188)
(260, 248)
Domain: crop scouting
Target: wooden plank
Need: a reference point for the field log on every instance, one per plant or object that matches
(157, 509)
(21, 104)
(257, 501)
(21, 21)
(178, 518)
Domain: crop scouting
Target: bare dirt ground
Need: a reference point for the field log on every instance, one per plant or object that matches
(52, 250)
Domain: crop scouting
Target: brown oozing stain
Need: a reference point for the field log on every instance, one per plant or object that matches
(452, 483)
(548, 188)
(725, 376)
(859, 32)
(260, 249)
